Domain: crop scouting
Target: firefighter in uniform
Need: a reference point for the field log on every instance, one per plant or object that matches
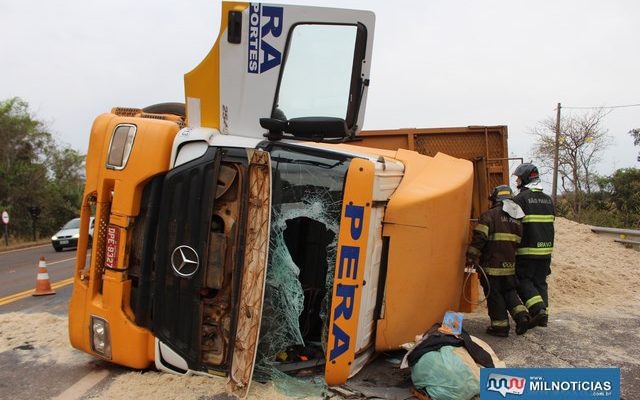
(533, 258)
(493, 248)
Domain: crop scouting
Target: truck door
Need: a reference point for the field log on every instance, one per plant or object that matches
(285, 62)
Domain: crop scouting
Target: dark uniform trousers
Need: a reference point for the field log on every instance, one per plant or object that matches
(494, 243)
(503, 297)
(532, 282)
(533, 257)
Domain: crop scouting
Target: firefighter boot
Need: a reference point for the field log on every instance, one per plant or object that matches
(523, 320)
(544, 320)
(540, 319)
(500, 331)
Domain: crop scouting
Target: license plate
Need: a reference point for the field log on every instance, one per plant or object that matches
(64, 242)
(111, 248)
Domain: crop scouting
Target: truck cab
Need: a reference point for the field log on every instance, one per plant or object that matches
(248, 230)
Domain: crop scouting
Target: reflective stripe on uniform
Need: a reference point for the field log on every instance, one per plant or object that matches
(482, 228)
(499, 271)
(533, 301)
(530, 251)
(500, 323)
(507, 237)
(538, 218)
(518, 309)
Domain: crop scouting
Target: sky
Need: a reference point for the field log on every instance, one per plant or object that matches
(436, 63)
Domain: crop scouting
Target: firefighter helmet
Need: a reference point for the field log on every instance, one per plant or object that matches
(527, 173)
(501, 192)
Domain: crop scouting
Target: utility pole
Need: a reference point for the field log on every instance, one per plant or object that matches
(556, 150)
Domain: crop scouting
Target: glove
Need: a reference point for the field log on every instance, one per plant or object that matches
(471, 263)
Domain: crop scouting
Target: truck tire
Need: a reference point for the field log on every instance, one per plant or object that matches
(167, 108)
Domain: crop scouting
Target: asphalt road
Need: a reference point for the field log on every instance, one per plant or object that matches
(18, 268)
(80, 379)
(573, 339)
(30, 378)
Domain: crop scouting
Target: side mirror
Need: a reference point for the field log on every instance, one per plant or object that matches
(310, 128)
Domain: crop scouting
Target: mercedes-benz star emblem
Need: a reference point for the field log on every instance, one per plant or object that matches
(185, 261)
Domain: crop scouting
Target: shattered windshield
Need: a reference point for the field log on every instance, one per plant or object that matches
(306, 205)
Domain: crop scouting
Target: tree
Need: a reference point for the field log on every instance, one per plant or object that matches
(582, 142)
(35, 171)
(635, 133)
(623, 191)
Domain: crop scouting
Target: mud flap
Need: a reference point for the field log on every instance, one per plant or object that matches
(254, 272)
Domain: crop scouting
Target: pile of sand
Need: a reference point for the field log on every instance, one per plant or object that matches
(43, 338)
(592, 273)
(39, 337)
(155, 385)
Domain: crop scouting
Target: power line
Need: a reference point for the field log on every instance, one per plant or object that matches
(592, 108)
(557, 140)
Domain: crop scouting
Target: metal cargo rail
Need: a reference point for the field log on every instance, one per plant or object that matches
(485, 146)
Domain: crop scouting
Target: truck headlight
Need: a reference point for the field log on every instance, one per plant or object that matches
(75, 235)
(100, 337)
(54, 237)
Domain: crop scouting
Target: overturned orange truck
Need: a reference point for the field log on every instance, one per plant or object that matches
(254, 223)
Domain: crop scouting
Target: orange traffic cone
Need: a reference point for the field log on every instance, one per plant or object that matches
(43, 286)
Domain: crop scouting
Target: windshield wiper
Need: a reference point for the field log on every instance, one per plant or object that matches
(307, 162)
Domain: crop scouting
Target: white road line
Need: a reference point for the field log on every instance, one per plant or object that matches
(23, 249)
(81, 387)
(60, 261)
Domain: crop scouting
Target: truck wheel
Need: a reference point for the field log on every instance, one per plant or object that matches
(57, 249)
(167, 108)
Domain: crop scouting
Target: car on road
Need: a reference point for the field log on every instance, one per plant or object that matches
(68, 235)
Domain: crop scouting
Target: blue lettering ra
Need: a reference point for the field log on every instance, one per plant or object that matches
(340, 342)
(356, 213)
(274, 24)
(349, 255)
(271, 57)
(345, 307)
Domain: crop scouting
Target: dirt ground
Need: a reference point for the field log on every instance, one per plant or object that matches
(594, 322)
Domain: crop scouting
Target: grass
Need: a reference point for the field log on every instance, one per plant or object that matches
(17, 243)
